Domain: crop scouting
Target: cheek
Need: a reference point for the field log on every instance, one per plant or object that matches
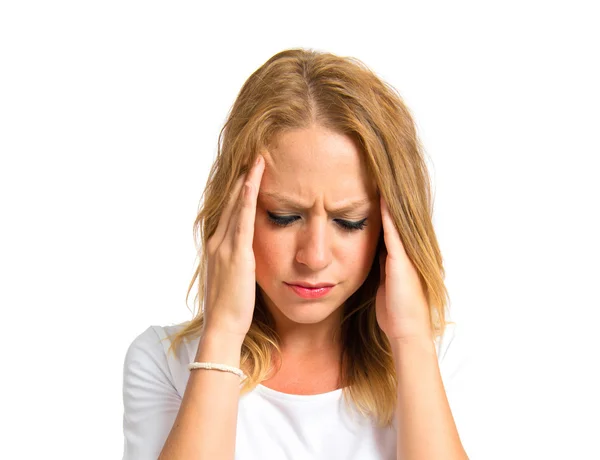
(359, 253)
(269, 252)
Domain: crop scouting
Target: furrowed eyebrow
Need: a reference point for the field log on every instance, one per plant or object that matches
(287, 201)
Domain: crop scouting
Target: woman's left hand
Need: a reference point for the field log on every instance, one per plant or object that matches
(401, 306)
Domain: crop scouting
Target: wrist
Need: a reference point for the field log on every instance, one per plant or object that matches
(215, 334)
(408, 347)
(412, 331)
(219, 347)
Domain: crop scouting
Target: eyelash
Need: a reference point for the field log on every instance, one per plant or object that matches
(350, 226)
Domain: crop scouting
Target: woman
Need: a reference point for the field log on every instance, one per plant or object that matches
(321, 282)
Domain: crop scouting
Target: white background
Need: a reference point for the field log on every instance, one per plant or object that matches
(109, 117)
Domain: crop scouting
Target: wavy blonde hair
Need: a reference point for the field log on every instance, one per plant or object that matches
(295, 89)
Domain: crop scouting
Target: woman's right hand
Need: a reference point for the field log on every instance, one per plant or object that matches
(231, 271)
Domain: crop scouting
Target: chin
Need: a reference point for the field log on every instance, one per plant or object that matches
(301, 311)
(307, 313)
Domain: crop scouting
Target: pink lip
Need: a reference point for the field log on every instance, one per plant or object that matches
(310, 293)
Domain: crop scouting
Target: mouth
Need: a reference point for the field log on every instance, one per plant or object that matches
(307, 291)
(310, 285)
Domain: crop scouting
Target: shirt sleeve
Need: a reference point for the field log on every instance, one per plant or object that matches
(150, 399)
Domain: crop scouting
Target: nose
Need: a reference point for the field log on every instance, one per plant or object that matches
(314, 247)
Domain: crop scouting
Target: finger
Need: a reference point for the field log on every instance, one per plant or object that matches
(242, 232)
(237, 205)
(391, 237)
(223, 224)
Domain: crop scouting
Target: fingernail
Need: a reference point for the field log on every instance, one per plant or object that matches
(258, 159)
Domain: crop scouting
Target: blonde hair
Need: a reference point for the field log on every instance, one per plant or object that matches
(295, 89)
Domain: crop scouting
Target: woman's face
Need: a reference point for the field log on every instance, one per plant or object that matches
(317, 221)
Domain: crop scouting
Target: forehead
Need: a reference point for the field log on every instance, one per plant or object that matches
(317, 163)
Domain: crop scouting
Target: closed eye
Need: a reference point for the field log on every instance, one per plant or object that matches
(284, 221)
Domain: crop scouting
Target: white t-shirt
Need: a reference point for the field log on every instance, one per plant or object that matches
(270, 424)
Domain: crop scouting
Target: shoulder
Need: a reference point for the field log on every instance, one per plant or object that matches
(456, 363)
(148, 357)
(452, 351)
(443, 341)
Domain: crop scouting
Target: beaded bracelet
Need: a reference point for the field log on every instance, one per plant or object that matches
(219, 367)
